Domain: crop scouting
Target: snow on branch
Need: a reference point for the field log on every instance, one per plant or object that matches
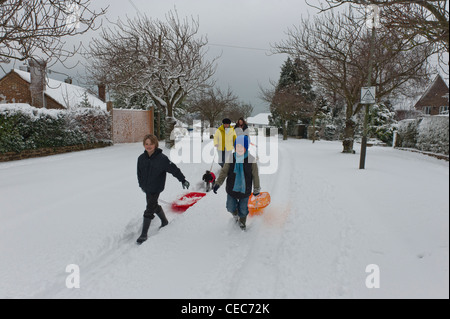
(164, 59)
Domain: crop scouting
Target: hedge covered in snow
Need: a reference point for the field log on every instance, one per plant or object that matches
(23, 127)
(429, 134)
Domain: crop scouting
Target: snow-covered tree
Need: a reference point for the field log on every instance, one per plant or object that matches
(382, 123)
(419, 22)
(337, 48)
(163, 59)
(40, 28)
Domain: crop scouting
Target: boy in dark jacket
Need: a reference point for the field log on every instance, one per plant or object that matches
(241, 173)
(152, 167)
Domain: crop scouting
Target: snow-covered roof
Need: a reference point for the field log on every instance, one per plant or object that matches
(68, 95)
(260, 119)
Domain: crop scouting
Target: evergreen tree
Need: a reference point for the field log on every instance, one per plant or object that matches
(382, 122)
(294, 80)
(85, 101)
(296, 74)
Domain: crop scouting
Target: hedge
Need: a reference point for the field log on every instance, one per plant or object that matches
(428, 134)
(23, 127)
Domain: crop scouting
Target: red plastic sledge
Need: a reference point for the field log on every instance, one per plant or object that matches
(184, 202)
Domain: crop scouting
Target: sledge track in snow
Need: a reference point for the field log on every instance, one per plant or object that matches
(250, 258)
(265, 238)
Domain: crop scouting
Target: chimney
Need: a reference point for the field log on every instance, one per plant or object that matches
(24, 68)
(102, 92)
(38, 82)
(68, 80)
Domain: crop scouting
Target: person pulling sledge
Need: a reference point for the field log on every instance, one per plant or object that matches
(152, 167)
(241, 173)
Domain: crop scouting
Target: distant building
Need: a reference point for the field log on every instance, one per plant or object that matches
(435, 99)
(259, 121)
(34, 88)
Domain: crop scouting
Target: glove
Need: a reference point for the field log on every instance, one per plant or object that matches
(185, 184)
(256, 194)
(216, 187)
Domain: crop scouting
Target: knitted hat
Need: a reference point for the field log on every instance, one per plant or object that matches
(242, 140)
(226, 121)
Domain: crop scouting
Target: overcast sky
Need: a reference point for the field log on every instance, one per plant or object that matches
(241, 31)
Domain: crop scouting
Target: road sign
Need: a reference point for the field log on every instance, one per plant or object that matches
(368, 95)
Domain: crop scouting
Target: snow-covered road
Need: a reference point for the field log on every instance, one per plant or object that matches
(327, 222)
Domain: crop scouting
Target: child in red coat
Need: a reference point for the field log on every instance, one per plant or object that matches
(210, 179)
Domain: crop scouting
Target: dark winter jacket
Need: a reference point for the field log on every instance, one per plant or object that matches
(209, 177)
(251, 176)
(242, 130)
(152, 170)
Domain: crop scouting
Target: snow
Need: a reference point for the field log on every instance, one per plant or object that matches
(259, 119)
(64, 93)
(28, 110)
(328, 223)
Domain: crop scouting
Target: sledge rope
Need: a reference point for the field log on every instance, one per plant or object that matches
(164, 202)
(257, 158)
(212, 161)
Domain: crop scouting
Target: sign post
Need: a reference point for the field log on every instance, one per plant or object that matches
(368, 93)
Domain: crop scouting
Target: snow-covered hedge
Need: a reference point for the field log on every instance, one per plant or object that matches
(429, 134)
(433, 134)
(23, 127)
(407, 133)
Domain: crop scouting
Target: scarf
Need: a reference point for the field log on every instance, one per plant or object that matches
(239, 182)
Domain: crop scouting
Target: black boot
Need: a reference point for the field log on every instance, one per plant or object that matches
(242, 221)
(162, 216)
(235, 216)
(145, 227)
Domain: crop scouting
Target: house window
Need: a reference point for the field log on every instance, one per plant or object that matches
(443, 109)
(427, 110)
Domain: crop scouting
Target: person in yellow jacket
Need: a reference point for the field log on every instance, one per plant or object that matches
(224, 141)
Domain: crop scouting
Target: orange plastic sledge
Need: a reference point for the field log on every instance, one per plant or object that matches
(256, 205)
(184, 202)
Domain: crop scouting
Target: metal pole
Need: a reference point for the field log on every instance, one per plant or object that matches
(362, 158)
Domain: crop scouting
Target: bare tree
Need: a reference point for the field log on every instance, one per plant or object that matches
(337, 48)
(238, 110)
(419, 21)
(211, 105)
(40, 27)
(163, 59)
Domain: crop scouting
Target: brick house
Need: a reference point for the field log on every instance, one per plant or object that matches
(16, 87)
(435, 99)
(128, 126)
